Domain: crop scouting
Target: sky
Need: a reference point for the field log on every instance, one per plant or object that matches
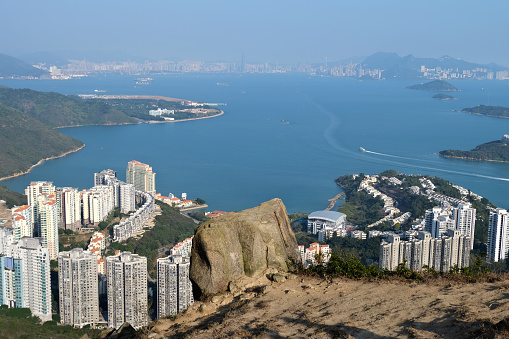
(264, 31)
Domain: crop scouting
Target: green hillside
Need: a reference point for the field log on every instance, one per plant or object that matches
(494, 150)
(58, 110)
(435, 85)
(12, 67)
(24, 141)
(490, 111)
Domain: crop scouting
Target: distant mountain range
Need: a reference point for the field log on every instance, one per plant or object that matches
(408, 67)
(13, 67)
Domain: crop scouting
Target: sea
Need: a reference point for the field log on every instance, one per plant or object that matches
(285, 136)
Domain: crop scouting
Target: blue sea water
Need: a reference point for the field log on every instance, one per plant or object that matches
(250, 155)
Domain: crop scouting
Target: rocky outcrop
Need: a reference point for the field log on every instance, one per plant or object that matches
(245, 244)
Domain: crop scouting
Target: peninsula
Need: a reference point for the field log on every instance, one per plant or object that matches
(497, 150)
(435, 85)
(490, 111)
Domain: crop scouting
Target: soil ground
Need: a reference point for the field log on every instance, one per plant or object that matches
(307, 307)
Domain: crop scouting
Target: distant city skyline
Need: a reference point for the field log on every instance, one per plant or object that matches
(262, 31)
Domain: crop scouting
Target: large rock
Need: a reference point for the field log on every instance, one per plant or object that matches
(247, 243)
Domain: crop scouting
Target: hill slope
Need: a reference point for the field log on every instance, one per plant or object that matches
(12, 67)
(493, 151)
(25, 141)
(307, 307)
(58, 110)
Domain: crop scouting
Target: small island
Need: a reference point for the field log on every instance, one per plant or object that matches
(442, 96)
(435, 85)
(490, 111)
(497, 150)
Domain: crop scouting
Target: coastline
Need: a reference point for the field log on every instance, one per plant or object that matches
(41, 161)
(472, 159)
(166, 121)
(486, 115)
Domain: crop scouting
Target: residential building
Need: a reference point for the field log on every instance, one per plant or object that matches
(69, 208)
(498, 235)
(453, 249)
(35, 189)
(78, 288)
(22, 223)
(97, 203)
(47, 223)
(25, 275)
(174, 288)
(141, 176)
(127, 290)
(134, 223)
(464, 220)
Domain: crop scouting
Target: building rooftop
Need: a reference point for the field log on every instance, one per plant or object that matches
(326, 215)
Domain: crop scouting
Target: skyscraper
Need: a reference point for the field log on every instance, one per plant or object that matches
(78, 288)
(141, 176)
(174, 289)
(498, 235)
(35, 189)
(127, 290)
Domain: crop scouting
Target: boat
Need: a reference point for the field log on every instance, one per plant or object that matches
(362, 149)
(99, 90)
(222, 84)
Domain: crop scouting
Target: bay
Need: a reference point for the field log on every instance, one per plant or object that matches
(284, 135)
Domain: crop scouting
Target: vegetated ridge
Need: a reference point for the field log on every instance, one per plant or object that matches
(13, 67)
(490, 111)
(25, 141)
(497, 150)
(58, 110)
(435, 85)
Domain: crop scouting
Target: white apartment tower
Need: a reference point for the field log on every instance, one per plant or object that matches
(25, 275)
(127, 290)
(69, 208)
(97, 203)
(47, 223)
(141, 176)
(464, 220)
(35, 189)
(498, 235)
(78, 288)
(22, 223)
(174, 288)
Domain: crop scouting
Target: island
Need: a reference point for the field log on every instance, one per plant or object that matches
(435, 85)
(490, 111)
(442, 96)
(497, 150)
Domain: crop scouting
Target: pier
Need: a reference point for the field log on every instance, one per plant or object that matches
(333, 201)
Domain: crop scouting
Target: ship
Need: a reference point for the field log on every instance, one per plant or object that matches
(362, 149)
(222, 84)
(99, 90)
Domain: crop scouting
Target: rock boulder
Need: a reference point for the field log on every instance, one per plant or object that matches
(243, 244)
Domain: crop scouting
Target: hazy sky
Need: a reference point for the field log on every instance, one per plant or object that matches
(275, 31)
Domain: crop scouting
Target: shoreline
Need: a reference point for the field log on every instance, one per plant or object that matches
(472, 159)
(166, 121)
(41, 161)
(486, 115)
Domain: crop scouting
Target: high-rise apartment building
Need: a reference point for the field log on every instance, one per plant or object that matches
(440, 254)
(464, 220)
(174, 288)
(25, 275)
(22, 223)
(124, 194)
(69, 208)
(141, 176)
(78, 288)
(97, 203)
(35, 189)
(127, 290)
(47, 223)
(498, 235)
